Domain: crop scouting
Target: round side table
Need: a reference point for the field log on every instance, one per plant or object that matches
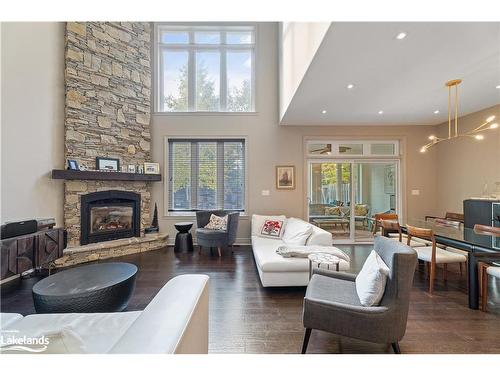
(322, 260)
(183, 239)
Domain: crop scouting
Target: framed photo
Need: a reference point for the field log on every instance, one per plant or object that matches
(131, 168)
(151, 168)
(107, 164)
(285, 177)
(73, 165)
(389, 179)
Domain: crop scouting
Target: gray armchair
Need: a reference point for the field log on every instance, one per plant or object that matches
(331, 303)
(216, 238)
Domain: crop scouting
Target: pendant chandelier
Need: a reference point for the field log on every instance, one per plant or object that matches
(453, 122)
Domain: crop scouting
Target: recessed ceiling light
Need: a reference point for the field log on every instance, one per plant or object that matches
(498, 86)
(436, 111)
(479, 137)
(380, 112)
(350, 86)
(401, 35)
(323, 111)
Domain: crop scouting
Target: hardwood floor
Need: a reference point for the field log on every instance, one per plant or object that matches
(247, 318)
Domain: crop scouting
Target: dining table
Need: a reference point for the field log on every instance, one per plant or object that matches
(481, 247)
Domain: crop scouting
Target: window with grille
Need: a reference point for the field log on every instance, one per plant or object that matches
(205, 68)
(205, 174)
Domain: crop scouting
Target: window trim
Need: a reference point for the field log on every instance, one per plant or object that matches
(191, 48)
(166, 196)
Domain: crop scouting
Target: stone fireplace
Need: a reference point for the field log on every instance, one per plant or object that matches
(107, 114)
(109, 215)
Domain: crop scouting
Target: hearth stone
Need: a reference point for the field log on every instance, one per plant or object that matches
(111, 249)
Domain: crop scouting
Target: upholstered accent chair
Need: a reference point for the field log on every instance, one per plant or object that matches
(216, 238)
(331, 303)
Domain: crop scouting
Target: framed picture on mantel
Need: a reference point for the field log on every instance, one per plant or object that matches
(107, 164)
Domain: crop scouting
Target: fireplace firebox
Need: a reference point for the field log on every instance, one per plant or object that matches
(110, 215)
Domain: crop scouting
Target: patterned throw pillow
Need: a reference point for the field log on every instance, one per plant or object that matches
(333, 211)
(217, 223)
(360, 210)
(272, 228)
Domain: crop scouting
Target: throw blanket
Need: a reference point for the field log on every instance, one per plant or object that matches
(304, 251)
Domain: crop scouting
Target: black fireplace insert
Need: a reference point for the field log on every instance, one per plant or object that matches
(110, 215)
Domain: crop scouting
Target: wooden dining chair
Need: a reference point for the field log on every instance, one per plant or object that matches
(486, 269)
(392, 229)
(382, 216)
(433, 255)
(451, 216)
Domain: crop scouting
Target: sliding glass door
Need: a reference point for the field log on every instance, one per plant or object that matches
(344, 195)
(330, 196)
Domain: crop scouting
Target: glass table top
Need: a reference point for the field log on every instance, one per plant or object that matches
(462, 234)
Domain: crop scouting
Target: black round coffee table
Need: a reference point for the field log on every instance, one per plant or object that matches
(102, 287)
(183, 239)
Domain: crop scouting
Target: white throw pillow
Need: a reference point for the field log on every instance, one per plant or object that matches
(297, 232)
(371, 280)
(217, 223)
(258, 222)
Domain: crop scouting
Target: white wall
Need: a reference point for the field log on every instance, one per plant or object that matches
(32, 82)
(299, 43)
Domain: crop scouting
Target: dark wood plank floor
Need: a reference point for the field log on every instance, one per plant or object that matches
(247, 318)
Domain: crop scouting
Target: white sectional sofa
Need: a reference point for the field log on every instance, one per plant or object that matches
(275, 270)
(175, 321)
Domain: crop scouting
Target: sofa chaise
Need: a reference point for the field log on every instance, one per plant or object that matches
(275, 270)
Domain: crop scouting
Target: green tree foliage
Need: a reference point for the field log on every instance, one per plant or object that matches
(329, 173)
(239, 99)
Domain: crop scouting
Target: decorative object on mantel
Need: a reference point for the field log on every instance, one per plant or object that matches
(72, 165)
(131, 168)
(107, 164)
(151, 168)
(154, 228)
(474, 133)
(285, 177)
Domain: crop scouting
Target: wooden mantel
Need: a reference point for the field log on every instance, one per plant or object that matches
(68, 174)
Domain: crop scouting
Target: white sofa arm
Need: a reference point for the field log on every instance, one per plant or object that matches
(320, 237)
(175, 321)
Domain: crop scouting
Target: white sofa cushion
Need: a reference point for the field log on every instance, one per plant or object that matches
(99, 331)
(371, 280)
(259, 220)
(297, 232)
(268, 260)
(320, 237)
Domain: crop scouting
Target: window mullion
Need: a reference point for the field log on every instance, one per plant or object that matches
(191, 75)
(223, 73)
(194, 175)
(220, 175)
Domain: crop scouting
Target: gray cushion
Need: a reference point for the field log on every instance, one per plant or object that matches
(211, 234)
(333, 290)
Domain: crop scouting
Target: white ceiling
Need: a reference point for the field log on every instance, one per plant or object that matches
(404, 78)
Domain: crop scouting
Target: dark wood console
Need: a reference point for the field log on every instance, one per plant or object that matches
(22, 253)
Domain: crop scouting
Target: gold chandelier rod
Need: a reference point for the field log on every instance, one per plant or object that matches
(472, 133)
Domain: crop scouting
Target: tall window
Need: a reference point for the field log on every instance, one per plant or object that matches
(206, 174)
(205, 68)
